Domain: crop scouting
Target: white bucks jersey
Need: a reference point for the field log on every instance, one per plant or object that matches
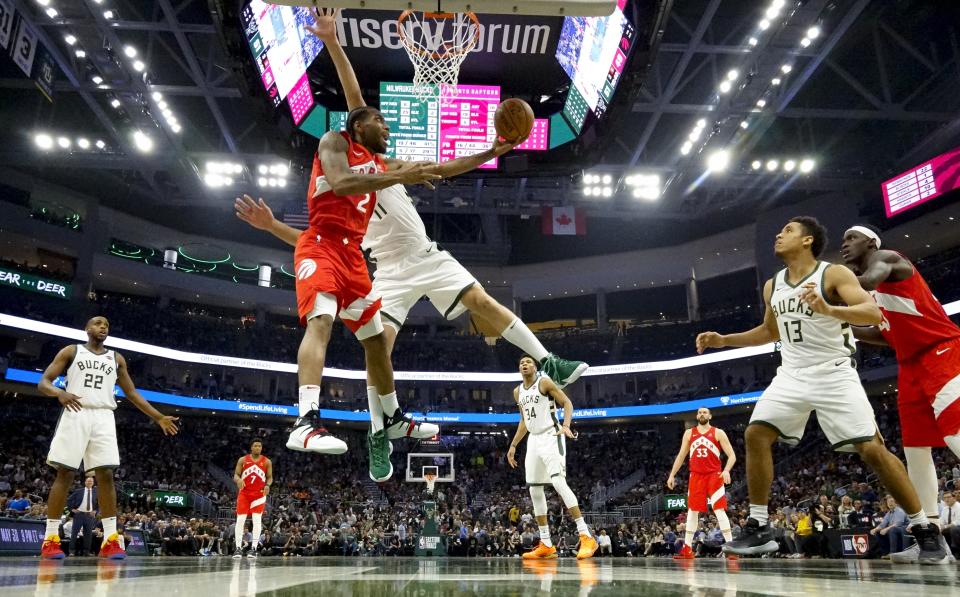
(808, 338)
(395, 229)
(92, 377)
(539, 411)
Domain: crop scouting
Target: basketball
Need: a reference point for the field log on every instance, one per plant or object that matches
(513, 119)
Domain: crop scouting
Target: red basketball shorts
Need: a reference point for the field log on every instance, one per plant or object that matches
(928, 395)
(706, 488)
(334, 266)
(251, 503)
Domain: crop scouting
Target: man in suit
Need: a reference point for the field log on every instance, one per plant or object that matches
(83, 504)
(950, 519)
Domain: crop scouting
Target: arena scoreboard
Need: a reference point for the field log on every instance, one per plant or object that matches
(922, 183)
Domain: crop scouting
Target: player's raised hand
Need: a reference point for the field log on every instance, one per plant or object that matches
(70, 401)
(502, 146)
(708, 340)
(326, 26)
(811, 297)
(168, 424)
(511, 456)
(671, 482)
(256, 213)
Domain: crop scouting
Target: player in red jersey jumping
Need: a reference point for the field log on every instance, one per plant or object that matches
(253, 476)
(707, 478)
(927, 344)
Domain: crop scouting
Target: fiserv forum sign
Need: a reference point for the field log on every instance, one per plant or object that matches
(17, 279)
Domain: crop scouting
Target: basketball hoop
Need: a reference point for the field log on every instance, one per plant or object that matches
(431, 479)
(437, 44)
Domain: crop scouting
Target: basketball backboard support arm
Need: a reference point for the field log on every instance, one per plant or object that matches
(573, 8)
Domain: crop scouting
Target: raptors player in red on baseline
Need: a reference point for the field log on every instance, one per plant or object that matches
(707, 478)
(927, 344)
(253, 476)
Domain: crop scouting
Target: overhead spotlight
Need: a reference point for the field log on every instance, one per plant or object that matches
(807, 165)
(805, 42)
(43, 141)
(813, 32)
(262, 182)
(157, 96)
(744, 124)
(282, 170)
(263, 169)
(733, 74)
(100, 144)
(175, 127)
(718, 161)
(52, 12)
(108, 14)
(130, 51)
(607, 192)
(167, 113)
(172, 120)
(70, 39)
(43, 2)
(756, 164)
(138, 66)
(695, 134)
(115, 103)
(686, 147)
(753, 41)
(272, 182)
(773, 165)
(786, 68)
(213, 180)
(80, 54)
(162, 105)
(772, 12)
(607, 179)
(775, 81)
(764, 25)
(282, 182)
(97, 79)
(725, 86)
(761, 103)
(63, 142)
(778, 4)
(238, 169)
(789, 165)
(142, 141)
(648, 193)
(83, 143)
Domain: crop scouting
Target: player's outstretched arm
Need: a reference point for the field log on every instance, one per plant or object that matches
(167, 423)
(678, 461)
(326, 30)
(764, 333)
(259, 215)
(56, 367)
(839, 281)
(336, 169)
(519, 435)
(467, 163)
(880, 266)
(549, 388)
(728, 450)
(870, 334)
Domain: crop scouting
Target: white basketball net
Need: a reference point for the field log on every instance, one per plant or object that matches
(437, 44)
(431, 479)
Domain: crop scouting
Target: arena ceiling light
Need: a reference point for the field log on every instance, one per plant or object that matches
(83, 143)
(789, 165)
(772, 165)
(70, 39)
(108, 14)
(775, 81)
(216, 181)
(142, 141)
(80, 54)
(756, 164)
(130, 51)
(214, 167)
(753, 41)
(157, 96)
(52, 12)
(807, 165)
(786, 68)
(644, 185)
(97, 79)
(43, 2)
(43, 141)
(115, 103)
(100, 144)
(686, 147)
(813, 32)
(718, 160)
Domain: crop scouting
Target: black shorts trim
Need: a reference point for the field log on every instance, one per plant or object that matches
(855, 440)
(539, 484)
(456, 301)
(59, 465)
(775, 428)
(392, 318)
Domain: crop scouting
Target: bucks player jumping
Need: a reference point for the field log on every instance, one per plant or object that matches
(546, 462)
(810, 308)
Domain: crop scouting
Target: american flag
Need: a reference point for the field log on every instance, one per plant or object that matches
(295, 214)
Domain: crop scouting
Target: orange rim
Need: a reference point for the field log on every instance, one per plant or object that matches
(401, 30)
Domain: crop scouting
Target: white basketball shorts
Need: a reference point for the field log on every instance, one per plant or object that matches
(833, 390)
(89, 436)
(546, 458)
(430, 272)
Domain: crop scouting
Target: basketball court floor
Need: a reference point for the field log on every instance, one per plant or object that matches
(360, 577)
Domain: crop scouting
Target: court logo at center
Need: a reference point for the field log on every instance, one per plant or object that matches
(306, 269)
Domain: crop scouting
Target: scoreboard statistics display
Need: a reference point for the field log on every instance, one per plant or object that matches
(282, 51)
(918, 185)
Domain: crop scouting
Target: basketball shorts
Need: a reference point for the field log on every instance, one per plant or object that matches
(546, 458)
(251, 503)
(430, 272)
(88, 436)
(335, 267)
(706, 489)
(928, 396)
(833, 390)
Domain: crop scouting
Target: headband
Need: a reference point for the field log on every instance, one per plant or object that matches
(866, 232)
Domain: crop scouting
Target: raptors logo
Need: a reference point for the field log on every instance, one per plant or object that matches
(306, 269)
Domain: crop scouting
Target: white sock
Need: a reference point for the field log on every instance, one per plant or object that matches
(923, 475)
(518, 334)
(109, 526)
(545, 536)
(238, 530)
(390, 404)
(309, 399)
(582, 527)
(760, 513)
(376, 409)
(53, 528)
(918, 518)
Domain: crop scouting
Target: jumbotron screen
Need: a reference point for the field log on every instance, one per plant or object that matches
(918, 185)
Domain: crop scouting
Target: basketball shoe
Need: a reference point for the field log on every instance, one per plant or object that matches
(379, 449)
(685, 554)
(541, 552)
(912, 554)
(51, 549)
(588, 547)
(309, 435)
(562, 371)
(402, 425)
(111, 549)
(755, 540)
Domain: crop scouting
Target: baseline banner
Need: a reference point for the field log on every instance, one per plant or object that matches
(22, 281)
(284, 410)
(19, 536)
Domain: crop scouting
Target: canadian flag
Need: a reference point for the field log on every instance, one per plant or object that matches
(564, 220)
